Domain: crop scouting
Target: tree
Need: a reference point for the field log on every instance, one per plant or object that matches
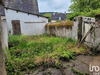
(79, 7)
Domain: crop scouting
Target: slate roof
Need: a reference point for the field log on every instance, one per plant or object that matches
(58, 16)
(25, 12)
(23, 5)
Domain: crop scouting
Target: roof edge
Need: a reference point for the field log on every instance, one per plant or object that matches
(25, 12)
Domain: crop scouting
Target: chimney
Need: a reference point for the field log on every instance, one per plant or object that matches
(35, 7)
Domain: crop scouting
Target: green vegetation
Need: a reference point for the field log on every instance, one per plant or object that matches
(48, 15)
(87, 8)
(29, 52)
(78, 72)
(57, 20)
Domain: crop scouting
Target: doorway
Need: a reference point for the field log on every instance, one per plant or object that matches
(16, 27)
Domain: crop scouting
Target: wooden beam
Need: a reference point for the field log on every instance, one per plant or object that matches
(91, 30)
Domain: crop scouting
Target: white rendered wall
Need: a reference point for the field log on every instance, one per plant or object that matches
(30, 24)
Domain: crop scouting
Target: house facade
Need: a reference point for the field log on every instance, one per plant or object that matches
(20, 22)
(58, 17)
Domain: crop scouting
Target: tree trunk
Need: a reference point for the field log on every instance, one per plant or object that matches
(2, 59)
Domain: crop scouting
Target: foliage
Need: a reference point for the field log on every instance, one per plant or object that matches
(28, 52)
(57, 20)
(48, 15)
(95, 50)
(72, 15)
(91, 13)
(87, 8)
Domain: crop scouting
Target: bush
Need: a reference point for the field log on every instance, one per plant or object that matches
(71, 16)
(91, 13)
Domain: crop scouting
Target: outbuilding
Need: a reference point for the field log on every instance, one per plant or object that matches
(25, 23)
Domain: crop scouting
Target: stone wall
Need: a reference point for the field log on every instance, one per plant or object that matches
(63, 31)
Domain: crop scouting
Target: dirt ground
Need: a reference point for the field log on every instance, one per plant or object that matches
(80, 66)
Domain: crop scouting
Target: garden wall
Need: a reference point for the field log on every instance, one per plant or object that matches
(63, 29)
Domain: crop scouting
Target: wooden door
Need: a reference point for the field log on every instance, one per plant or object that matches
(16, 27)
(79, 29)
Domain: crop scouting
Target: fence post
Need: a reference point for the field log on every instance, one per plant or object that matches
(2, 59)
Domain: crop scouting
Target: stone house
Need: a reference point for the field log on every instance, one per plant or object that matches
(58, 17)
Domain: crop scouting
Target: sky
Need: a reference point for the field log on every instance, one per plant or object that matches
(54, 5)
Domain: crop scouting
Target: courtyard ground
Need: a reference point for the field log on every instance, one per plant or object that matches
(46, 55)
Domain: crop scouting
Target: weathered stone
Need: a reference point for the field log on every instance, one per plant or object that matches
(63, 31)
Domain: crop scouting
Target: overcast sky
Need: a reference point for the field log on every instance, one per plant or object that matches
(54, 5)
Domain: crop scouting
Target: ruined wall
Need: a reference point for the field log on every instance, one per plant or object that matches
(63, 31)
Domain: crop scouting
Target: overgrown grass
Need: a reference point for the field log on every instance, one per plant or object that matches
(28, 52)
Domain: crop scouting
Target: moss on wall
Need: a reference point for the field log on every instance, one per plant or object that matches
(62, 23)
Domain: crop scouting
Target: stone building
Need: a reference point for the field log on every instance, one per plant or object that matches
(25, 23)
